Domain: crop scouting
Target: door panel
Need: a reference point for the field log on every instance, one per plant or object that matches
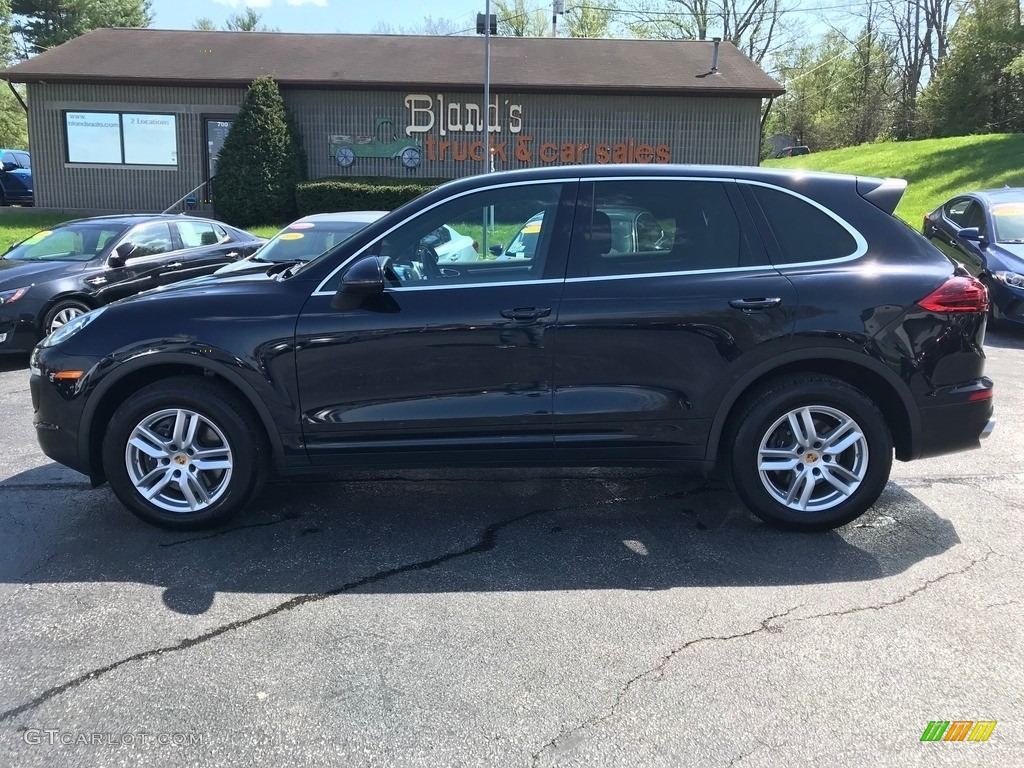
(448, 358)
(648, 342)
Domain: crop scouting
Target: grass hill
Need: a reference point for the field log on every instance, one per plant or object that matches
(936, 169)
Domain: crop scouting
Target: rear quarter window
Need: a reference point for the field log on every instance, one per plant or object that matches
(803, 232)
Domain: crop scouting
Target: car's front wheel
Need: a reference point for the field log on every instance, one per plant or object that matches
(809, 453)
(62, 313)
(184, 453)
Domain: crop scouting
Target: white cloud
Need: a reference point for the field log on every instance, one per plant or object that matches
(320, 3)
(234, 4)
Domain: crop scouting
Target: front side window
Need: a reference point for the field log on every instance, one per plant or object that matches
(658, 226)
(478, 227)
(24, 160)
(149, 240)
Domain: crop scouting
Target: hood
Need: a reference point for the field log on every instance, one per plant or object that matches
(16, 274)
(1011, 252)
(205, 287)
(244, 266)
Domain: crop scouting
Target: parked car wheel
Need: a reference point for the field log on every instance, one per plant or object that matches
(810, 453)
(184, 454)
(63, 312)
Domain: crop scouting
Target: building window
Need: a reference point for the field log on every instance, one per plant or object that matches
(121, 138)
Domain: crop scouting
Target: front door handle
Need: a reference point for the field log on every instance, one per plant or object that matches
(752, 305)
(174, 265)
(526, 313)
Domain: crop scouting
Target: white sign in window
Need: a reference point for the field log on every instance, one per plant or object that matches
(149, 139)
(93, 137)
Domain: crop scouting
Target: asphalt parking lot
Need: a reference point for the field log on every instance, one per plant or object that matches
(519, 618)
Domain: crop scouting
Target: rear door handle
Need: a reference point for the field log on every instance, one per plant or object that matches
(755, 304)
(174, 265)
(526, 313)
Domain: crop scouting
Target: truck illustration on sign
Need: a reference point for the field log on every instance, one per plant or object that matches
(384, 142)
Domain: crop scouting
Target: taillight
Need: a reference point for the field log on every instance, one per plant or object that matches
(958, 294)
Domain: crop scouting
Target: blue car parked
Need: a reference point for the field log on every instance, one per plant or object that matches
(15, 177)
(984, 231)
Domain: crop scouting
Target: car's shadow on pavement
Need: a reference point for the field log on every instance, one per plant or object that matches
(13, 361)
(479, 531)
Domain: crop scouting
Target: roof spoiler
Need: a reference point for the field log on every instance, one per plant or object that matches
(882, 193)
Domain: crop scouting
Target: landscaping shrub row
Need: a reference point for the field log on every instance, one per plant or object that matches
(359, 194)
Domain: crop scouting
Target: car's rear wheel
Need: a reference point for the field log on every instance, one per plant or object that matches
(809, 453)
(62, 313)
(184, 453)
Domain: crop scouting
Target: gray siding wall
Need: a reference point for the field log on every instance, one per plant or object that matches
(59, 184)
(720, 130)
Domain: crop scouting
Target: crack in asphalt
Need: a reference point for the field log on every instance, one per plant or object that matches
(287, 518)
(658, 669)
(488, 540)
(741, 757)
(82, 486)
(766, 625)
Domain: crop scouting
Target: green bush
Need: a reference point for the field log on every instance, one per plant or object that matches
(359, 194)
(261, 161)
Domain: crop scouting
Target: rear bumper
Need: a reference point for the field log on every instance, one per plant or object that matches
(957, 426)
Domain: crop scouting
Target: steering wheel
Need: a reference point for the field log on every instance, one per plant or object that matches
(428, 257)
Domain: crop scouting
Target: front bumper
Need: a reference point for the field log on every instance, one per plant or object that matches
(1007, 302)
(57, 408)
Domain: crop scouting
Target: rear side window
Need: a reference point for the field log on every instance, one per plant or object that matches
(196, 234)
(654, 226)
(804, 233)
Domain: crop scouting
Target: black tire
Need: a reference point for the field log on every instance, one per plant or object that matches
(840, 485)
(993, 321)
(62, 308)
(222, 419)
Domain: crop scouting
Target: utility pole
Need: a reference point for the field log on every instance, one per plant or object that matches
(487, 25)
(557, 9)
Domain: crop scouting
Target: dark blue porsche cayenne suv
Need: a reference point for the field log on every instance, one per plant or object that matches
(786, 326)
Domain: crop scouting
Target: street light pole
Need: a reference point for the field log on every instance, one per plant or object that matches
(487, 86)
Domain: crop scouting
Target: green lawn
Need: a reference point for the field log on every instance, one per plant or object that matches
(936, 169)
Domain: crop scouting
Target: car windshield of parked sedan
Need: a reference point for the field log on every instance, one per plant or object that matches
(74, 242)
(304, 240)
(1009, 219)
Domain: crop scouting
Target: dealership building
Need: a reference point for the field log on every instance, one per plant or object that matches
(133, 119)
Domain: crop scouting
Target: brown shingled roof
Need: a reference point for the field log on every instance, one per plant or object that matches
(152, 56)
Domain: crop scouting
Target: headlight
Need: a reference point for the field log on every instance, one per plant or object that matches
(1010, 278)
(70, 328)
(6, 297)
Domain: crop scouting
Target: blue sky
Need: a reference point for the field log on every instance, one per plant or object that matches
(318, 15)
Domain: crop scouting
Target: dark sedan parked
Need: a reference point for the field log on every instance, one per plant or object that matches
(794, 331)
(984, 231)
(58, 274)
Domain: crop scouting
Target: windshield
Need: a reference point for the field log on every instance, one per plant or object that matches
(74, 242)
(1009, 219)
(305, 240)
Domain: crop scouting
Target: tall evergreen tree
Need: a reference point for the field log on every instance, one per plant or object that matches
(261, 161)
(43, 24)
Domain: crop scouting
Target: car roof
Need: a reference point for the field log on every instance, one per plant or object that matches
(13, 149)
(1002, 195)
(342, 217)
(128, 219)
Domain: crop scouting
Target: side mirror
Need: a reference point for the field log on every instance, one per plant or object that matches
(362, 279)
(972, 233)
(10, 167)
(122, 252)
(497, 249)
(431, 241)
